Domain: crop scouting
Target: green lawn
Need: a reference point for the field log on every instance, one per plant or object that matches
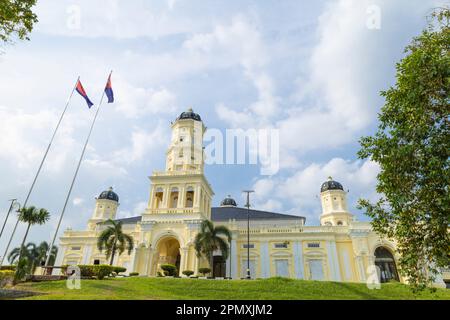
(274, 288)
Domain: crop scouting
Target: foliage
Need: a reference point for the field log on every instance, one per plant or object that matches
(21, 269)
(204, 271)
(210, 239)
(31, 216)
(153, 288)
(188, 273)
(114, 239)
(99, 271)
(7, 268)
(412, 147)
(6, 277)
(119, 269)
(35, 255)
(133, 274)
(16, 19)
(169, 270)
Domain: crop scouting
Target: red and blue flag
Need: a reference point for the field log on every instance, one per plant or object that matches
(109, 91)
(82, 93)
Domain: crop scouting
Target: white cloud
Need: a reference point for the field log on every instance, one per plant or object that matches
(241, 41)
(299, 193)
(137, 102)
(77, 201)
(142, 143)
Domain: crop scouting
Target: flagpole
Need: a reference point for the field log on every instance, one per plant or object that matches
(41, 164)
(73, 180)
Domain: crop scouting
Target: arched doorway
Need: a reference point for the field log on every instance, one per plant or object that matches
(385, 261)
(168, 252)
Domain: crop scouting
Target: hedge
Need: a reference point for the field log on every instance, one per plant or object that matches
(9, 268)
(6, 276)
(169, 269)
(100, 271)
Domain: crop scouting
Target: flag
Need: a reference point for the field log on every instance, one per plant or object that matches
(82, 93)
(108, 90)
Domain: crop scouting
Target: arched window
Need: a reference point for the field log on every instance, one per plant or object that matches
(159, 193)
(174, 198)
(340, 223)
(328, 224)
(189, 197)
(385, 261)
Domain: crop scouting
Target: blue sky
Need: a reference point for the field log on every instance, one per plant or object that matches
(311, 69)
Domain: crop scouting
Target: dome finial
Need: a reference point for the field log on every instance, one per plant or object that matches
(330, 178)
(190, 109)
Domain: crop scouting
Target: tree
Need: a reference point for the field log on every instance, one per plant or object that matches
(412, 147)
(113, 239)
(16, 19)
(33, 255)
(210, 239)
(32, 216)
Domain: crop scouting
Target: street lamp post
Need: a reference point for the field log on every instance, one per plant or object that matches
(248, 232)
(12, 235)
(7, 216)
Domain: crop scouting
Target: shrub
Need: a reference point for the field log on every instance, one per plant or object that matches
(204, 271)
(6, 277)
(169, 269)
(8, 268)
(103, 270)
(100, 271)
(188, 273)
(159, 274)
(133, 274)
(119, 269)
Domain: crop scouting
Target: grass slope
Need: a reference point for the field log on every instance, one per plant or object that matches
(274, 288)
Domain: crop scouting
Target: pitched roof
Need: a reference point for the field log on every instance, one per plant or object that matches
(227, 213)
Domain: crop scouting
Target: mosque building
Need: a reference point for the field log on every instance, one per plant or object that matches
(180, 197)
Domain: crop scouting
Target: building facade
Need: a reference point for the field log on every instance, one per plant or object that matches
(180, 197)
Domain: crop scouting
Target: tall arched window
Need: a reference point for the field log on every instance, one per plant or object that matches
(385, 261)
(159, 193)
(189, 197)
(174, 198)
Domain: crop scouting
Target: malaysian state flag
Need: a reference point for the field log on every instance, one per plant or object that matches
(82, 93)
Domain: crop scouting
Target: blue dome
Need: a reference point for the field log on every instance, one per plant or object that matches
(228, 201)
(189, 114)
(109, 195)
(331, 185)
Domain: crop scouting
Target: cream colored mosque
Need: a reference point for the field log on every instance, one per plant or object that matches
(340, 249)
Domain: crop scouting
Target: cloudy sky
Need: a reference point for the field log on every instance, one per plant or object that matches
(311, 69)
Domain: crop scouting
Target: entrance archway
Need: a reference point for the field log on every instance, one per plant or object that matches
(168, 252)
(386, 262)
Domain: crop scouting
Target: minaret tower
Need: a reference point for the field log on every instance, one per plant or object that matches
(334, 204)
(105, 208)
(182, 189)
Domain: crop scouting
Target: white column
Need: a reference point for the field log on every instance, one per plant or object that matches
(337, 269)
(360, 265)
(265, 261)
(133, 259)
(234, 259)
(87, 254)
(331, 262)
(59, 260)
(298, 260)
(149, 260)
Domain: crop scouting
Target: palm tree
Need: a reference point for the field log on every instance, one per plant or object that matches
(42, 250)
(113, 239)
(31, 215)
(210, 239)
(34, 255)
